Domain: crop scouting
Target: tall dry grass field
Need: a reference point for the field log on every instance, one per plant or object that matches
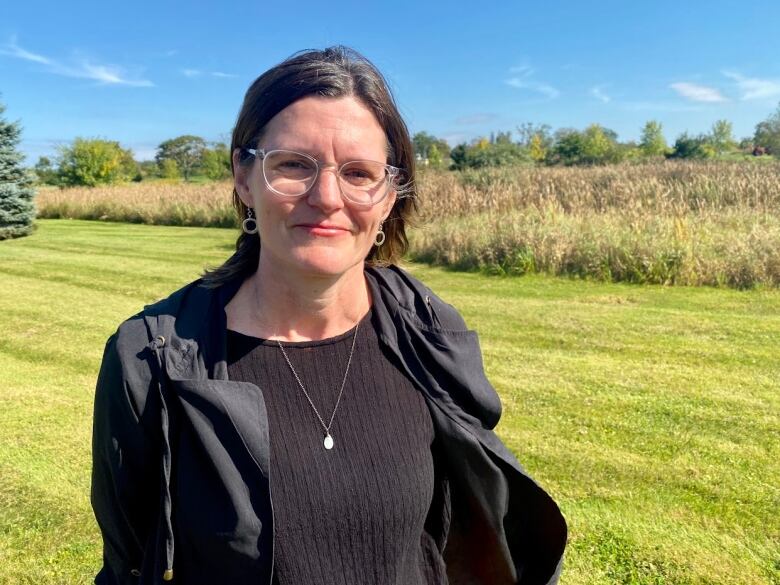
(660, 188)
(668, 222)
(157, 202)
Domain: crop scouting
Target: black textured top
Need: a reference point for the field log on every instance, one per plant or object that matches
(354, 514)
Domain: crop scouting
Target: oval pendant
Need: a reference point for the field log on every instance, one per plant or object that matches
(328, 442)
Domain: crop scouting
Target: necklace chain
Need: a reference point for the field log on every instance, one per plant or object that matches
(326, 427)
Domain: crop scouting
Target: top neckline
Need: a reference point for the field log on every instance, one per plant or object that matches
(243, 338)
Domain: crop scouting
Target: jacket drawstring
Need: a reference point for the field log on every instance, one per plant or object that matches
(165, 490)
(432, 312)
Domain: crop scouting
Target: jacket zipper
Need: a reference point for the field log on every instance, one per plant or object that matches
(273, 529)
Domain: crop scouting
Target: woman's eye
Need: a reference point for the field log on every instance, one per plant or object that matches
(357, 174)
(294, 165)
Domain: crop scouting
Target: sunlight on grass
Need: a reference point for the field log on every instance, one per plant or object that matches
(651, 414)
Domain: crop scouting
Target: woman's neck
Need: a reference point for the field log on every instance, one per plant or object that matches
(291, 306)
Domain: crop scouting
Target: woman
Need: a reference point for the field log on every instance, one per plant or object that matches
(308, 412)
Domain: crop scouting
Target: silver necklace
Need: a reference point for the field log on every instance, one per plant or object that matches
(328, 442)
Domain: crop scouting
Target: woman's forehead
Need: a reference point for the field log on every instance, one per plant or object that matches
(316, 121)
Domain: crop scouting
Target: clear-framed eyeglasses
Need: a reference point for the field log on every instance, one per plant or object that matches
(292, 174)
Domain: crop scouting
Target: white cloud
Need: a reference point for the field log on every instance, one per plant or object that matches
(753, 88)
(523, 70)
(81, 69)
(191, 73)
(598, 93)
(698, 93)
(659, 107)
(13, 50)
(103, 74)
(523, 79)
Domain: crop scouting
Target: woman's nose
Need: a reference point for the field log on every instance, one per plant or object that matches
(326, 192)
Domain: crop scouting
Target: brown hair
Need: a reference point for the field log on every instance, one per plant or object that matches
(333, 72)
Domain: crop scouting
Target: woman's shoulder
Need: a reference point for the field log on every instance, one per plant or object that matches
(398, 286)
(173, 303)
(136, 332)
(127, 365)
(192, 293)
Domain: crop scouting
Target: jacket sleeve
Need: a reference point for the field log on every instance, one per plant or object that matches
(124, 477)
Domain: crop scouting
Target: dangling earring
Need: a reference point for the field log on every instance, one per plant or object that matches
(380, 237)
(249, 225)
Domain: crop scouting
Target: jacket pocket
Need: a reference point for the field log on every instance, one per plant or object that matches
(221, 497)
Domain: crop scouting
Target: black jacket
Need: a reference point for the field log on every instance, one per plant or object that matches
(181, 454)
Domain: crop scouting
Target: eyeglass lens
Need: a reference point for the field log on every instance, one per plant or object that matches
(293, 174)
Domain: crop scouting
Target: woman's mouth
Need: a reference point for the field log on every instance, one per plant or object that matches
(324, 230)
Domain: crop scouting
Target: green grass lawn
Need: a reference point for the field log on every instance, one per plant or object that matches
(651, 414)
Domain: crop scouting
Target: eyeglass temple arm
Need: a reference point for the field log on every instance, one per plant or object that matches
(256, 152)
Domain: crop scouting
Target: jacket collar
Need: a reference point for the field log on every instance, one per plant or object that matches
(441, 356)
(194, 323)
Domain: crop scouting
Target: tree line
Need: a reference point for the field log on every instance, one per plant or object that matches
(595, 145)
(97, 161)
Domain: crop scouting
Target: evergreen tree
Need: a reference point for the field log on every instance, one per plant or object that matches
(17, 210)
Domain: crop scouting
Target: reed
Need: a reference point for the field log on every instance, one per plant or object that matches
(159, 203)
(702, 223)
(686, 223)
(666, 188)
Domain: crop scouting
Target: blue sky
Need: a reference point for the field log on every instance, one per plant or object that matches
(142, 72)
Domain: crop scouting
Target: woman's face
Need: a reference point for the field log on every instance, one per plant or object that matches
(319, 233)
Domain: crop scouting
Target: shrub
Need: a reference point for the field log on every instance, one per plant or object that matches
(767, 135)
(91, 162)
(215, 162)
(593, 146)
(693, 147)
(169, 169)
(484, 154)
(45, 172)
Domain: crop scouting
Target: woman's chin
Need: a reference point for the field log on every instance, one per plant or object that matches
(326, 262)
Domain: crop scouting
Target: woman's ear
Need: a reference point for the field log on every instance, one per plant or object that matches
(388, 203)
(241, 174)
